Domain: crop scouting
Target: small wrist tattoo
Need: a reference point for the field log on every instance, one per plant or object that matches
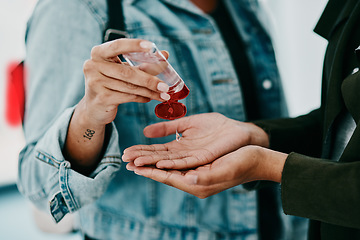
(89, 134)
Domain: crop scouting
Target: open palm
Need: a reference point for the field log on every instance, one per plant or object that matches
(205, 137)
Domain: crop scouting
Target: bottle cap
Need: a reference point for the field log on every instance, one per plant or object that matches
(170, 110)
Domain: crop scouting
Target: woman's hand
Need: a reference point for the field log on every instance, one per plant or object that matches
(109, 82)
(249, 163)
(205, 137)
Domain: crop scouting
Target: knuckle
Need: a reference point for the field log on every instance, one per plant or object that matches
(113, 45)
(93, 82)
(127, 71)
(103, 97)
(116, 44)
(150, 82)
(119, 42)
(171, 163)
(153, 159)
(95, 51)
(166, 179)
(131, 86)
(88, 65)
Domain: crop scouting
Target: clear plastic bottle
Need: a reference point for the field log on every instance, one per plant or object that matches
(156, 64)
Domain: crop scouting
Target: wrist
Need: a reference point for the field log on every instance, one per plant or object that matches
(258, 136)
(84, 141)
(272, 165)
(84, 119)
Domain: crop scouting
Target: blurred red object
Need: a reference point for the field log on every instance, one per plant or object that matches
(15, 93)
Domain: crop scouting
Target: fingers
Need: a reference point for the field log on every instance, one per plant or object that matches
(104, 71)
(125, 79)
(157, 67)
(185, 181)
(205, 175)
(167, 177)
(228, 171)
(132, 76)
(158, 155)
(168, 161)
(133, 152)
(154, 68)
(111, 49)
(182, 160)
(163, 129)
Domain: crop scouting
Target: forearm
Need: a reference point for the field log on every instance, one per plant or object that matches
(84, 142)
(271, 165)
(258, 136)
(46, 177)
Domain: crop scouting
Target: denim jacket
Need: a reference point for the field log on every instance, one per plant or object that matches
(112, 202)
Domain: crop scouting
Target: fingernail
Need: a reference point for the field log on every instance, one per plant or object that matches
(163, 87)
(146, 44)
(165, 96)
(137, 173)
(192, 179)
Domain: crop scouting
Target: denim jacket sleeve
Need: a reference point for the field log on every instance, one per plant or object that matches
(46, 177)
(55, 85)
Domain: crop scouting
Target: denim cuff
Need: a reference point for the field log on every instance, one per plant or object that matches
(73, 189)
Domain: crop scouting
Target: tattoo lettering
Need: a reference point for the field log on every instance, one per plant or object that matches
(89, 134)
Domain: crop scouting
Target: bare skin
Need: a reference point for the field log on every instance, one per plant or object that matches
(108, 83)
(207, 6)
(204, 138)
(215, 153)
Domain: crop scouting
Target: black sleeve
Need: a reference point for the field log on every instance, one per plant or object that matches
(322, 190)
(302, 134)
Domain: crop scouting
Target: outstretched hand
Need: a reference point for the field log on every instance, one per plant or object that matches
(205, 137)
(244, 165)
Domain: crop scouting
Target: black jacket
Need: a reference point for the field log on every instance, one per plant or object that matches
(312, 186)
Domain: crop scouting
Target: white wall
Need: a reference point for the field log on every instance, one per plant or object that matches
(299, 50)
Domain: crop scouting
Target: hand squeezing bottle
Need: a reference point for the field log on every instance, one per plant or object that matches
(155, 63)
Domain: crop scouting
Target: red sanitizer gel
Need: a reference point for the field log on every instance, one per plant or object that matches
(155, 63)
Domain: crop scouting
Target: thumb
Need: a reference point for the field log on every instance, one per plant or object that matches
(163, 129)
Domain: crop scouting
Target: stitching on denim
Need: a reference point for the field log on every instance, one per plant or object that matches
(65, 190)
(111, 159)
(47, 159)
(116, 157)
